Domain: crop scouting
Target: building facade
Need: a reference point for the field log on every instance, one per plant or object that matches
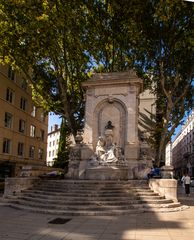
(183, 149)
(23, 126)
(52, 144)
(168, 154)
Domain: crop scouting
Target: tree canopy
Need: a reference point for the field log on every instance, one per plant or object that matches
(57, 44)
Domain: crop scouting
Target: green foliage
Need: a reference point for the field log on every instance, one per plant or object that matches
(63, 150)
(58, 44)
(45, 41)
(161, 47)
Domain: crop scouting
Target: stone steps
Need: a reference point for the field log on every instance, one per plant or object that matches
(86, 183)
(50, 195)
(141, 209)
(92, 194)
(93, 201)
(81, 197)
(86, 191)
(92, 207)
(43, 196)
(76, 213)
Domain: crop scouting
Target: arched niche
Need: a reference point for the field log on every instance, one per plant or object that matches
(110, 110)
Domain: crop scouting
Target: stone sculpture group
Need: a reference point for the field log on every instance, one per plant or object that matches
(106, 151)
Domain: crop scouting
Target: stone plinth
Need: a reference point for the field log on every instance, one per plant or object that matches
(165, 187)
(14, 186)
(167, 172)
(107, 173)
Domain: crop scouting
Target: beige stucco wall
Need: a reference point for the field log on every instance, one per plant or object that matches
(13, 133)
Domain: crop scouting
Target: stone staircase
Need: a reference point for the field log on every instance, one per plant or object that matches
(90, 197)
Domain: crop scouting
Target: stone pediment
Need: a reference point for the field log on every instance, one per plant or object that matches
(116, 78)
(114, 75)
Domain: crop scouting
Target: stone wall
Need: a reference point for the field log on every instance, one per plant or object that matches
(165, 187)
(14, 186)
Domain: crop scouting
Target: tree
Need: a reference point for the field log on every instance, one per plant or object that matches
(60, 42)
(168, 58)
(62, 159)
(156, 38)
(45, 41)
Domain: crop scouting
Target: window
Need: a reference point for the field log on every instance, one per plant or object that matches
(9, 95)
(20, 149)
(6, 145)
(42, 134)
(33, 113)
(40, 153)
(49, 144)
(42, 117)
(53, 143)
(24, 84)
(53, 154)
(23, 103)
(11, 74)
(32, 131)
(22, 124)
(8, 120)
(49, 153)
(31, 151)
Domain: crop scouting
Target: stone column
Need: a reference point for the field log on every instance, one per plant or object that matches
(167, 172)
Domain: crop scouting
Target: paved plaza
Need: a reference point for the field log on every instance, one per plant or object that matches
(22, 225)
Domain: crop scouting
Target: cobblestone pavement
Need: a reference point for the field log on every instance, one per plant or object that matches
(23, 225)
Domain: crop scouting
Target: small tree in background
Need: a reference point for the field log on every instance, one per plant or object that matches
(63, 151)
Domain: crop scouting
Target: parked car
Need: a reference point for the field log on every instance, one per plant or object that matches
(192, 182)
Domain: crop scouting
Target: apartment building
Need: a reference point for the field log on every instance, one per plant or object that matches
(23, 126)
(52, 144)
(183, 148)
(168, 154)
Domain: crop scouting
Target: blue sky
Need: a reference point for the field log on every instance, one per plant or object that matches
(53, 119)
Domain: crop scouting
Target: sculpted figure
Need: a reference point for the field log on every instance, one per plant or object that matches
(109, 125)
(105, 149)
(100, 150)
(109, 155)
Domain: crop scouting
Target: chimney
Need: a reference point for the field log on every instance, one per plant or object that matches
(56, 127)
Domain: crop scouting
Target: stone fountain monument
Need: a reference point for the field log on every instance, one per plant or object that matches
(112, 145)
(109, 148)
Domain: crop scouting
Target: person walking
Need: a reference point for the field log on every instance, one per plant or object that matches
(182, 181)
(187, 182)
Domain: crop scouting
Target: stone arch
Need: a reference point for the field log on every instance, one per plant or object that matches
(112, 110)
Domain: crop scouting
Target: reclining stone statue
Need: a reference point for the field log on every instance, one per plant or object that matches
(105, 151)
